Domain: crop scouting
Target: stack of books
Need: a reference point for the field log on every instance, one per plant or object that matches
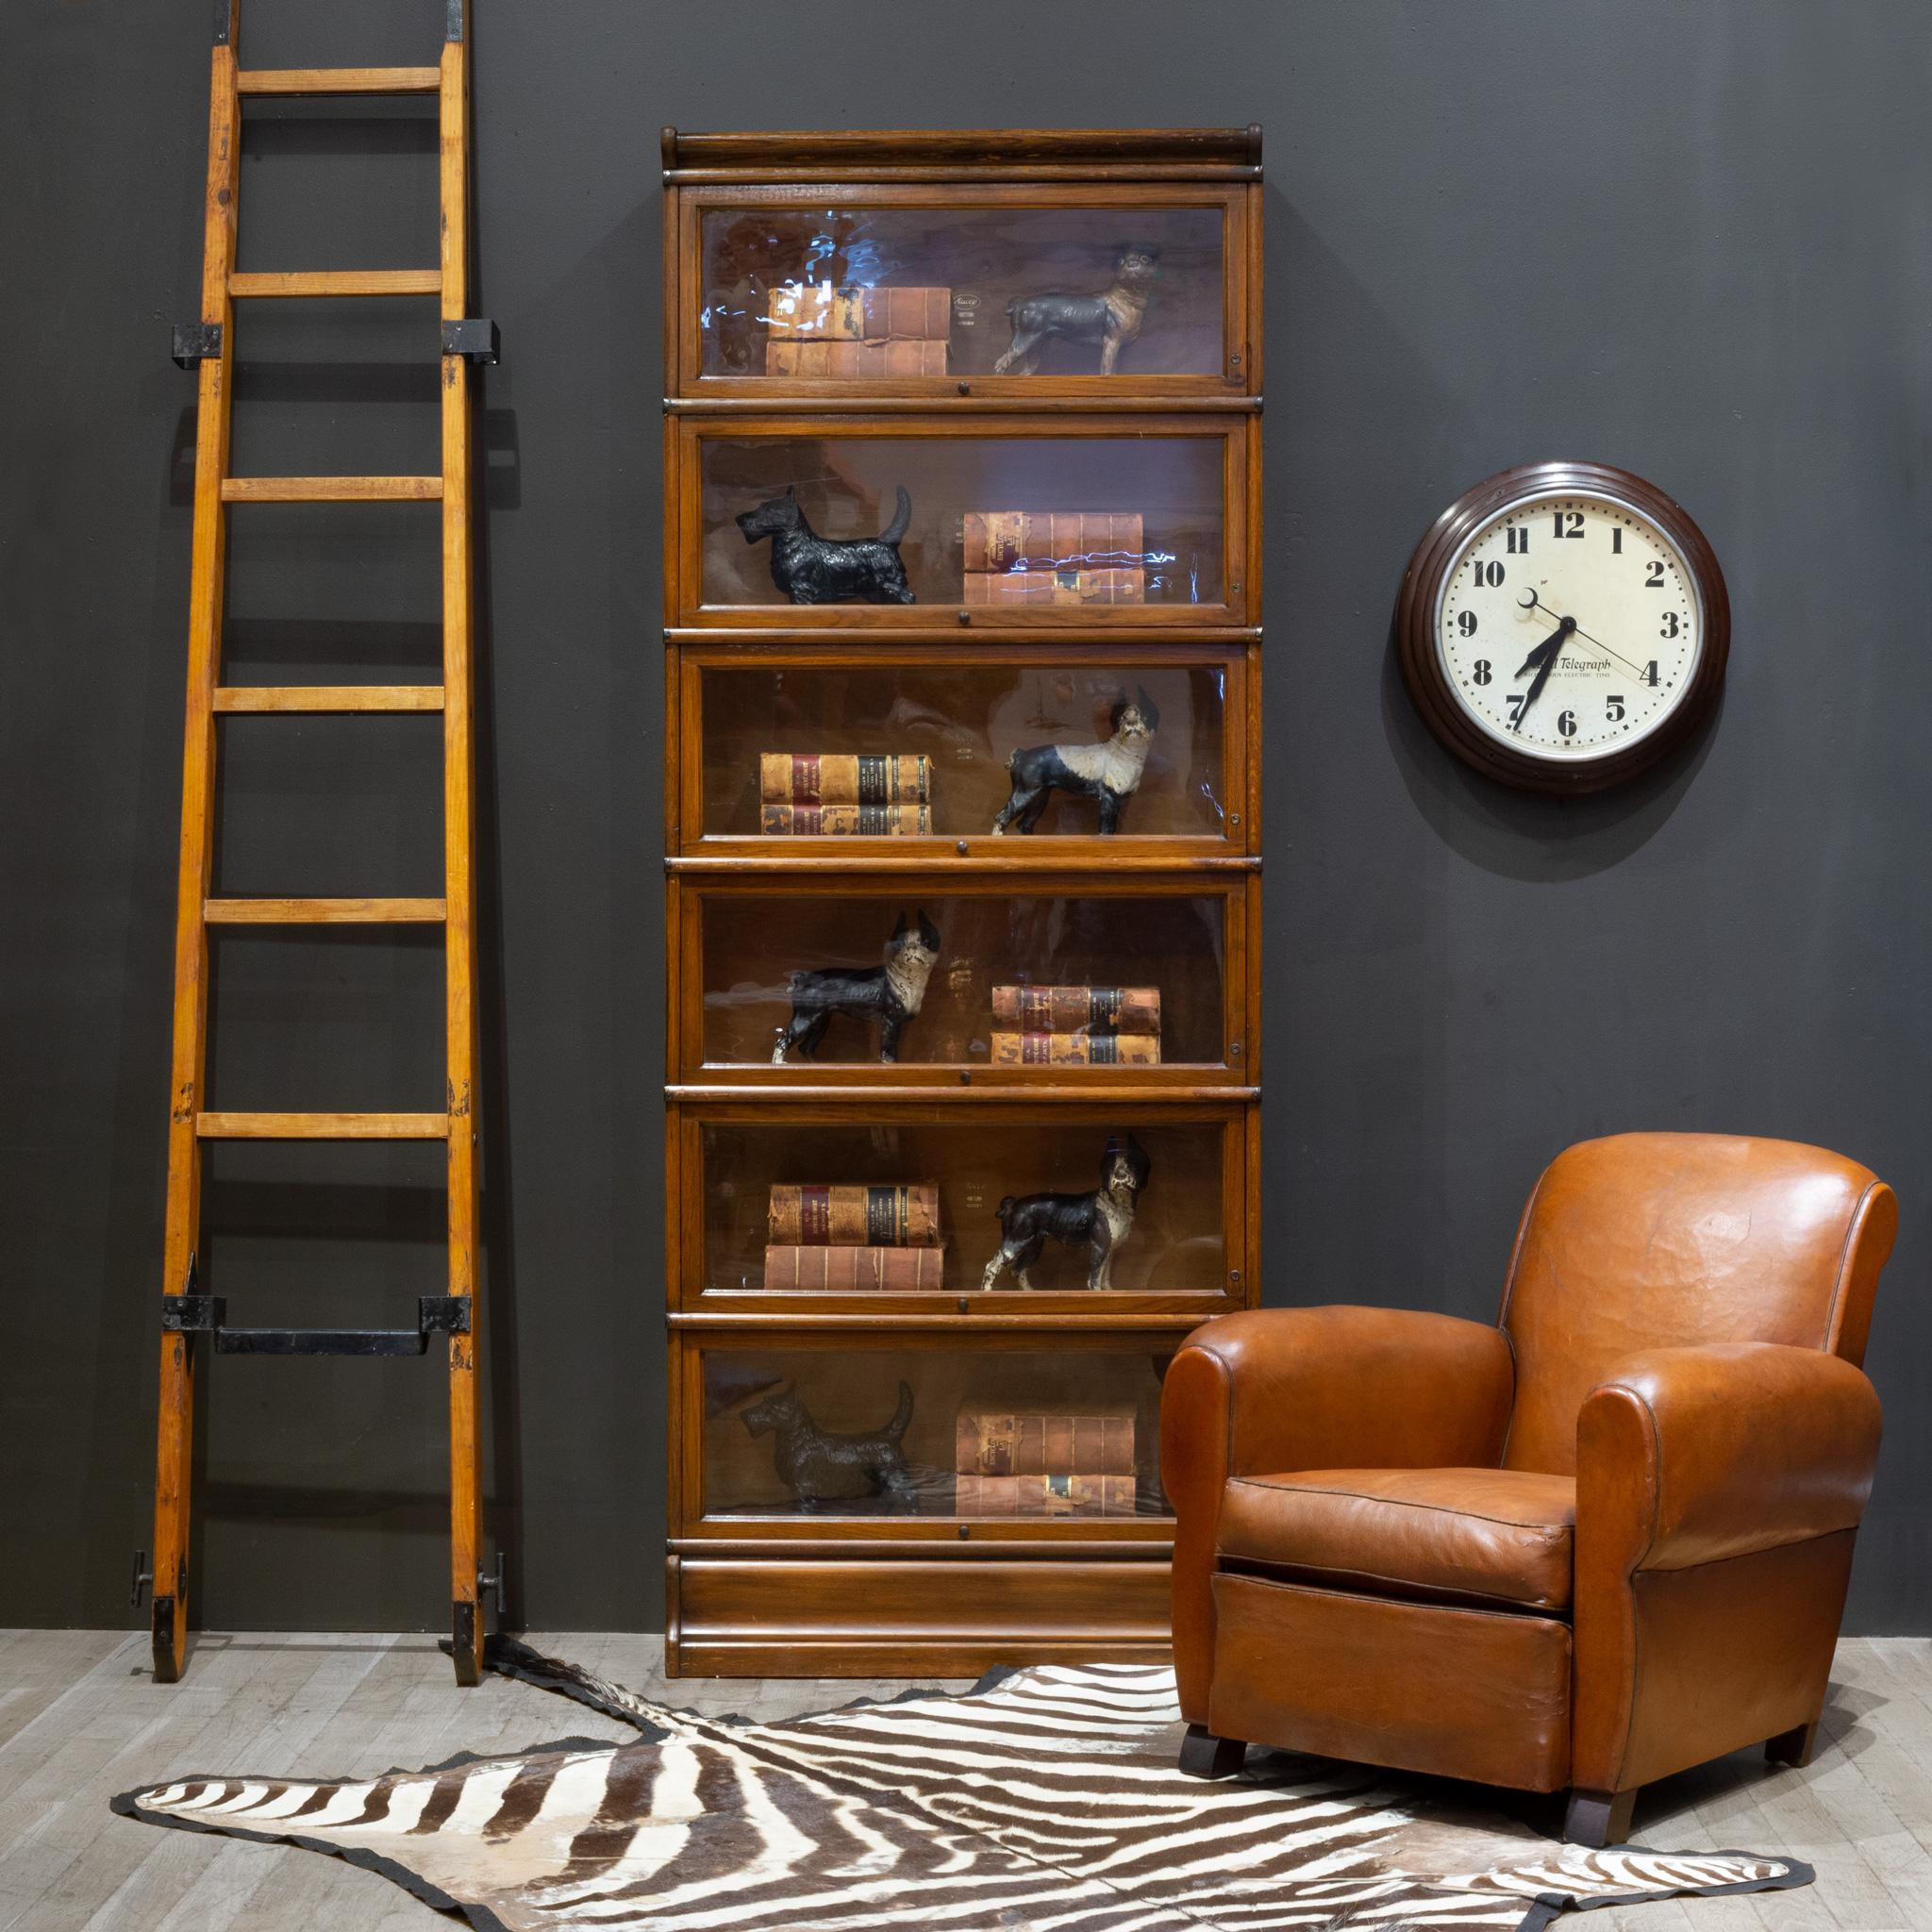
(885, 795)
(823, 331)
(1076, 1026)
(1035, 1462)
(834, 1237)
(1058, 557)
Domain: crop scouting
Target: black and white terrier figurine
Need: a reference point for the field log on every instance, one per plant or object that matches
(812, 569)
(1110, 772)
(1108, 321)
(819, 1465)
(891, 993)
(1100, 1221)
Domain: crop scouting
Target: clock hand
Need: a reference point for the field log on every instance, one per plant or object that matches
(1553, 646)
(1536, 603)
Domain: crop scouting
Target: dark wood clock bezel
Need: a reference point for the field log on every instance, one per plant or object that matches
(1422, 666)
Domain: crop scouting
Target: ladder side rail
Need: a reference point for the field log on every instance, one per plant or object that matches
(466, 1623)
(175, 1424)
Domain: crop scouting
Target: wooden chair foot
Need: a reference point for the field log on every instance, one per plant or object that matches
(1794, 1747)
(1596, 1819)
(1204, 1755)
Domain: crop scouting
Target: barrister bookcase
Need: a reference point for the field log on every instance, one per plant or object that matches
(914, 1396)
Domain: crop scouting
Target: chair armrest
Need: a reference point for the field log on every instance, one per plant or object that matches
(1337, 1388)
(1687, 1455)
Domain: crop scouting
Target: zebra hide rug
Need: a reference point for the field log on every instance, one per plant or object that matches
(1046, 1798)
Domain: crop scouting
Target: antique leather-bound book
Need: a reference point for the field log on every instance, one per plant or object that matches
(1006, 540)
(1076, 1009)
(1075, 1493)
(1066, 586)
(833, 1270)
(844, 361)
(1002, 1441)
(846, 821)
(1094, 1048)
(855, 1216)
(788, 778)
(831, 312)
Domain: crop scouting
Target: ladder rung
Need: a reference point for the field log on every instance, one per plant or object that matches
(324, 911)
(328, 697)
(337, 80)
(331, 489)
(330, 281)
(321, 1126)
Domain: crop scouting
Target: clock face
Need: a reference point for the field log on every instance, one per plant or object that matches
(1568, 626)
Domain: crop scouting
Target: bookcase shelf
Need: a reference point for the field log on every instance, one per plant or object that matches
(914, 1397)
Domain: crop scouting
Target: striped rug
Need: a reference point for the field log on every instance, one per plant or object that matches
(1046, 1798)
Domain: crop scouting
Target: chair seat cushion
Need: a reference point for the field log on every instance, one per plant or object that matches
(1495, 1537)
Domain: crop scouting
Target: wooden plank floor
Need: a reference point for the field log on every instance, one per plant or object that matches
(80, 1721)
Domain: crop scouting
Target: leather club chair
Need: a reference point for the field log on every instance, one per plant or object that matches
(1602, 1540)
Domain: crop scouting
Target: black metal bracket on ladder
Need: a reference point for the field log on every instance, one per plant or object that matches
(208, 1314)
(196, 342)
(474, 338)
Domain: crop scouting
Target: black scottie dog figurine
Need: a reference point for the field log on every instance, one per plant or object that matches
(812, 569)
(1108, 321)
(1101, 1221)
(818, 1466)
(893, 993)
(1110, 772)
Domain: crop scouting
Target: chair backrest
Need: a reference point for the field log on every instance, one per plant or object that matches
(1646, 1240)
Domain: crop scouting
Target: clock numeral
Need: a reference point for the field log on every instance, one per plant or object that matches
(1518, 539)
(1617, 542)
(1566, 723)
(1613, 710)
(1573, 519)
(1481, 670)
(1489, 573)
(1465, 623)
(1514, 700)
(1670, 625)
(1655, 581)
(1650, 672)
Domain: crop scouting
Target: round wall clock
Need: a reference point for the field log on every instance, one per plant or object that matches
(1563, 626)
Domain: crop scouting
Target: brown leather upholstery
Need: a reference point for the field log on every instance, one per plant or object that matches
(1649, 1241)
(1493, 1536)
(1602, 1542)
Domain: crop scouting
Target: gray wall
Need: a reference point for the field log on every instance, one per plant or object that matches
(1689, 241)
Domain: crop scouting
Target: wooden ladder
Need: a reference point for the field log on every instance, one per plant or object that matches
(189, 1318)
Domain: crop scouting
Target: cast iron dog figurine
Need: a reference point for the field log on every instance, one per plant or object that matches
(812, 569)
(893, 993)
(1100, 1221)
(1109, 772)
(819, 1466)
(1108, 321)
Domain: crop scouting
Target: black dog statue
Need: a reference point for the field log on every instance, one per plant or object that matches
(891, 993)
(812, 569)
(1100, 1221)
(820, 1466)
(1108, 321)
(1110, 772)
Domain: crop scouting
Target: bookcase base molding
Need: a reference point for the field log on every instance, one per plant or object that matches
(954, 1613)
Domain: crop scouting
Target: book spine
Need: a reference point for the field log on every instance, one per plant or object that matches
(844, 779)
(837, 1270)
(825, 313)
(1077, 1008)
(846, 821)
(1043, 1495)
(893, 355)
(817, 1215)
(1011, 1048)
(983, 1444)
(991, 1442)
(1056, 587)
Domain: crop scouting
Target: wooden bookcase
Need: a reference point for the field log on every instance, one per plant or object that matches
(760, 230)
